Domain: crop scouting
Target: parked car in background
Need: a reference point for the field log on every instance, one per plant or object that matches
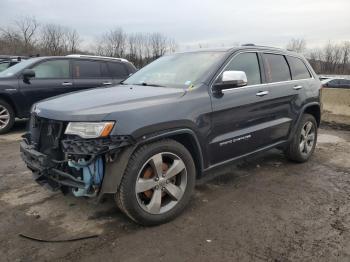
(8, 61)
(42, 77)
(336, 83)
(147, 141)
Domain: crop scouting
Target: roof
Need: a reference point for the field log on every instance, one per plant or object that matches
(98, 57)
(242, 47)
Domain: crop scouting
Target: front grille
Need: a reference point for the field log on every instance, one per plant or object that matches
(45, 136)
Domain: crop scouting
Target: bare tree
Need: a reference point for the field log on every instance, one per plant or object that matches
(72, 41)
(297, 45)
(27, 28)
(53, 39)
(20, 38)
(112, 43)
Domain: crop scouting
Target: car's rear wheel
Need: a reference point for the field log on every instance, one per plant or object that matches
(157, 183)
(7, 117)
(304, 142)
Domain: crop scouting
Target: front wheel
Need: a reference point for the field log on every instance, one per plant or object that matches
(303, 144)
(158, 183)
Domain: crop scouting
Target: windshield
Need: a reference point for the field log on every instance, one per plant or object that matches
(16, 68)
(178, 70)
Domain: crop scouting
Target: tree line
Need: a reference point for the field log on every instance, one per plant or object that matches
(28, 37)
(332, 58)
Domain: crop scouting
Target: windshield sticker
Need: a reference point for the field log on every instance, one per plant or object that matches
(188, 82)
(190, 87)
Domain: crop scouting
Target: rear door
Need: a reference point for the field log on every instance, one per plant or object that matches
(52, 77)
(118, 70)
(288, 80)
(91, 74)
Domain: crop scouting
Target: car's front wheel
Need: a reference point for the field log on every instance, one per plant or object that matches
(7, 117)
(157, 183)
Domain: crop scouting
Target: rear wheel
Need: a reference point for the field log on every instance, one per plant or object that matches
(304, 142)
(7, 117)
(158, 183)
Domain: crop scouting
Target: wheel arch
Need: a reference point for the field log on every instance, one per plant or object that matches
(115, 170)
(313, 108)
(188, 139)
(315, 111)
(8, 100)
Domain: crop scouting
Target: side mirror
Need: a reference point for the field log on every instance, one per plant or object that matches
(231, 79)
(28, 74)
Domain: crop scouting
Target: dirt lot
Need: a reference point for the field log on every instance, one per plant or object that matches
(264, 209)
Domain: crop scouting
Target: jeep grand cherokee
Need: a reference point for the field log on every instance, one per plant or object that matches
(147, 140)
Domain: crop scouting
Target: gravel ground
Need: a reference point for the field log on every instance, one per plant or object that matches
(261, 209)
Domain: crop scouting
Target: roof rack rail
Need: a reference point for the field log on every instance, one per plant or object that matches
(264, 46)
(96, 56)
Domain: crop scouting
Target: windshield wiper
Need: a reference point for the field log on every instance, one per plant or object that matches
(149, 84)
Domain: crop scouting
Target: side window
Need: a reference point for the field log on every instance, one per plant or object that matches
(248, 63)
(87, 69)
(52, 69)
(298, 68)
(118, 70)
(276, 67)
(334, 82)
(344, 82)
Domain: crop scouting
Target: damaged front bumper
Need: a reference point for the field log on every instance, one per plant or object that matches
(83, 168)
(44, 170)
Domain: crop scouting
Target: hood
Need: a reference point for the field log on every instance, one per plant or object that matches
(97, 104)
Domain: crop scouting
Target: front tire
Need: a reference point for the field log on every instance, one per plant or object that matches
(303, 144)
(7, 117)
(158, 183)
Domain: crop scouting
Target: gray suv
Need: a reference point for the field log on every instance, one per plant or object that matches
(147, 140)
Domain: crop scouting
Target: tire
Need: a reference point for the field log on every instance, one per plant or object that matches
(298, 152)
(7, 117)
(167, 194)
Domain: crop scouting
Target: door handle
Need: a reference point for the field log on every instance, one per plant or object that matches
(67, 84)
(262, 93)
(297, 87)
(106, 83)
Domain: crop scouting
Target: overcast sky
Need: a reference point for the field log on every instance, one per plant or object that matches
(194, 22)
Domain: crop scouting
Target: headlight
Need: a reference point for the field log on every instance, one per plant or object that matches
(89, 129)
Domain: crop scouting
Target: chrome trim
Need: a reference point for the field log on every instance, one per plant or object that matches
(262, 93)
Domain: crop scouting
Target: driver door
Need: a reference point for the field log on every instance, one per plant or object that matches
(240, 115)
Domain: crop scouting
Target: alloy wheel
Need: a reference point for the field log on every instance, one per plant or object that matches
(161, 183)
(307, 138)
(4, 117)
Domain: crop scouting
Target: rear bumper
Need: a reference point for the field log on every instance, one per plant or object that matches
(45, 171)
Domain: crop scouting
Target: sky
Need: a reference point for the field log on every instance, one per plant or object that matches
(194, 23)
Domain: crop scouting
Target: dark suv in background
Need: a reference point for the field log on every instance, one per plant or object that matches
(147, 141)
(39, 78)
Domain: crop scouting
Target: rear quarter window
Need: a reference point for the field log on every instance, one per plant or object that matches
(276, 67)
(298, 68)
(118, 70)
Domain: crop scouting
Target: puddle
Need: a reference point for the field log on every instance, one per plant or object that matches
(326, 138)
